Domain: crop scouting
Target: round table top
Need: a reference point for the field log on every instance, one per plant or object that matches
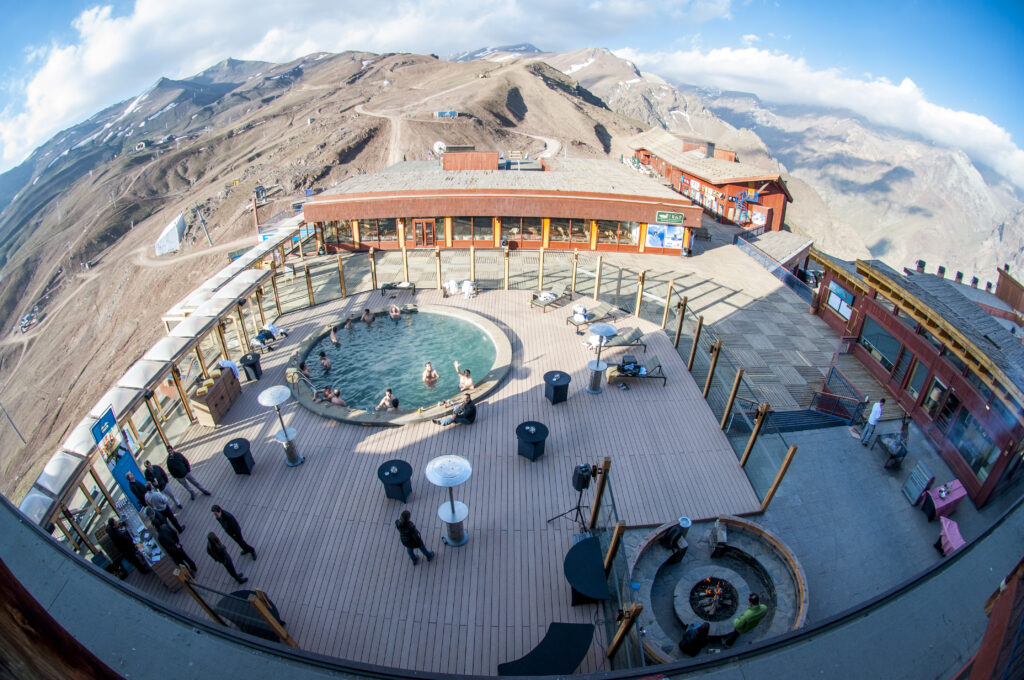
(285, 436)
(402, 472)
(236, 447)
(448, 471)
(274, 396)
(557, 378)
(250, 358)
(595, 365)
(446, 515)
(603, 330)
(539, 434)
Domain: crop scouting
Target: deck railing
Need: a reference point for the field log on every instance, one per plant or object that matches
(774, 267)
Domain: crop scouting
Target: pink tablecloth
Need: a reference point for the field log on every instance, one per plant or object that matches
(946, 506)
(950, 536)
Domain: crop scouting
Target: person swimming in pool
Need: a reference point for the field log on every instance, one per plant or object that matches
(325, 363)
(334, 335)
(368, 318)
(304, 371)
(465, 382)
(430, 376)
(395, 313)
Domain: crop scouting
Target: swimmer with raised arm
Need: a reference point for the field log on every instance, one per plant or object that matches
(395, 313)
(465, 382)
(367, 317)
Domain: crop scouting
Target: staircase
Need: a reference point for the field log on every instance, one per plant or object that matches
(796, 421)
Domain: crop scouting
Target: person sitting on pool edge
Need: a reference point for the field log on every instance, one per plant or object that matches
(395, 313)
(304, 371)
(325, 363)
(465, 382)
(367, 317)
(464, 413)
(430, 376)
(334, 335)
(388, 402)
(329, 395)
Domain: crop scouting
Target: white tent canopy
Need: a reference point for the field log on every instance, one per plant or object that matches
(170, 238)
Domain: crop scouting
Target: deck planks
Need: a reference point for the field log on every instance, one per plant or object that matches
(329, 555)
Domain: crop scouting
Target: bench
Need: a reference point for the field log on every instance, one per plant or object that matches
(651, 369)
(702, 232)
(398, 285)
(560, 652)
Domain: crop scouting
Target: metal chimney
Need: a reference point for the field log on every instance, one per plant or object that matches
(941, 272)
(988, 286)
(710, 150)
(974, 282)
(920, 266)
(959, 278)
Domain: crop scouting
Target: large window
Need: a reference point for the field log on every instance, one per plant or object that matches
(917, 378)
(462, 228)
(900, 372)
(580, 231)
(533, 230)
(367, 231)
(933, 397)
(558, 230)
(879, 343)
(607, 232)
(840, 300)
(511, 228)
(974, 444)
(982, 388)
(388, 227)
(956, 361)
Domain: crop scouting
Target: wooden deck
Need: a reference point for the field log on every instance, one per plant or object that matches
(329, 555)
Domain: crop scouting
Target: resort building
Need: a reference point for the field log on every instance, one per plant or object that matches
(956, 368)
(477, 199)
(731, 192)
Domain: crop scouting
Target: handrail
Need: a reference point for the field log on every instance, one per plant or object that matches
(835, 396)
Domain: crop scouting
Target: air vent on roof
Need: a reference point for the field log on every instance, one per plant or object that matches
(994, 343)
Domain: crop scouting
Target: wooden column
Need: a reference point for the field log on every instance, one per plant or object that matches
(257, 324)
(597, 277)
(176, 376)
(540, 271)
(668, 301)
(277, 295)
(405, 263)
(613, 546)
(696, 339)
(243, 336)
(78, 530)
(88, 497)
(156, 423)
(639, 292)
(732, 397)
(341, 277)
(202, 364)
(778, 477)
(679, 322)
(222, 341)
(472, 263)
(716, 350)
(101, 486)
(67, 534)
(762, 413)
(135, 431)
(309, 286)
(575, 264)
(259, 306)
(602, 481)
(506, 268)
(437, 266)
(259, 601)
(373, 270)
(625, 625)
(185, 576)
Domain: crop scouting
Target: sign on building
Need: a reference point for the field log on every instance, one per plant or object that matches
(669, 217)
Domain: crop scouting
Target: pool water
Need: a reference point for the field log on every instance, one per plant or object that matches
(389, 353)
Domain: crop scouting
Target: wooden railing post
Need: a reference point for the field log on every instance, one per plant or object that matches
(696, 339)
(639, 292)
(762, 413)
(625, 625)
(506, 268)
(778, 477)
(602, 481)
(437, 266)
(405, 262)
(222, 341)
(277, 295)
(732, 397)
(373, 270)
(472, 263)
(259, 306)
(309, 285)
(261, 603)
(597, 277)
(679, 323)
(613, 546)
(341, 276)
(540, 271)
(668, 301)
(716, 350)
(176, 376)
(185, 576)
(156, 421)
(575, 264)
(243, 334)
(202, 364)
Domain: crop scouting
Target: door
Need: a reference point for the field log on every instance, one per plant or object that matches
(424, 232)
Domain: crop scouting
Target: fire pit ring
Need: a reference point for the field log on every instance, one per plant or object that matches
(735, 587)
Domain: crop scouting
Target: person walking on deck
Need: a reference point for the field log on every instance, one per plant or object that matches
(410, 537)
(218, 553)
(181, 470)
(233, 529)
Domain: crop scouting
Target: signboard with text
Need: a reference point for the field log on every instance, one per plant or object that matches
(669, 217)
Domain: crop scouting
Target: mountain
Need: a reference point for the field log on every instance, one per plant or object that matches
(494, 53)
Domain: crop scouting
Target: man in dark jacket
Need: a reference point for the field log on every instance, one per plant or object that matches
(122, 540)
(464, 413)
(156, 476)
(181, 469)
(410, 537)
(168, 539)
(233, 529)
(137, 488)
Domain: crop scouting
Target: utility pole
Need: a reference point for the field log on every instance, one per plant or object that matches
(13, 426)
(199, 213)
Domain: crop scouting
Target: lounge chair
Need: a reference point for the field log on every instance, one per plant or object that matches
(650, 369)
(558, 292)
(627, 337)
(600, 312)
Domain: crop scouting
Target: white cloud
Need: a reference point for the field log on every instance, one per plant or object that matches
(776, 77)
(750, 39)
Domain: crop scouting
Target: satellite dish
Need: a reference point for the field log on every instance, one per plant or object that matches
(440, 147)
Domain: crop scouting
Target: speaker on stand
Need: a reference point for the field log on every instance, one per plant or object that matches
(581, 476)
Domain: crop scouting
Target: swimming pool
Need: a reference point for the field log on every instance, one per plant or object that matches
(368, 359)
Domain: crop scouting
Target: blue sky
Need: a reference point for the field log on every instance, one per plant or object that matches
(951, 69)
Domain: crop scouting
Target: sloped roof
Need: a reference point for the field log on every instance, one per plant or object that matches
(668, 146)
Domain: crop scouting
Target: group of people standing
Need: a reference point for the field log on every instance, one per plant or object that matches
(156, 497)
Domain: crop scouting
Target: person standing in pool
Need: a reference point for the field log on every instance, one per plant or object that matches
(395, 313)
(325, 363)
(304, 371)
(334, 336)
(367, 317)
(388, 401)
(430, 376)
(465, 382)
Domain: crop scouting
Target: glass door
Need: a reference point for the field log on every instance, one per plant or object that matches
(424, 230)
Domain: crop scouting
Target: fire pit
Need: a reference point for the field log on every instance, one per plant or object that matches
(713, 599)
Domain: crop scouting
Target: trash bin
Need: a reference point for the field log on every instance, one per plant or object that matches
(250, 363)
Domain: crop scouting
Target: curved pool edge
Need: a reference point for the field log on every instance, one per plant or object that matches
(501, 367)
